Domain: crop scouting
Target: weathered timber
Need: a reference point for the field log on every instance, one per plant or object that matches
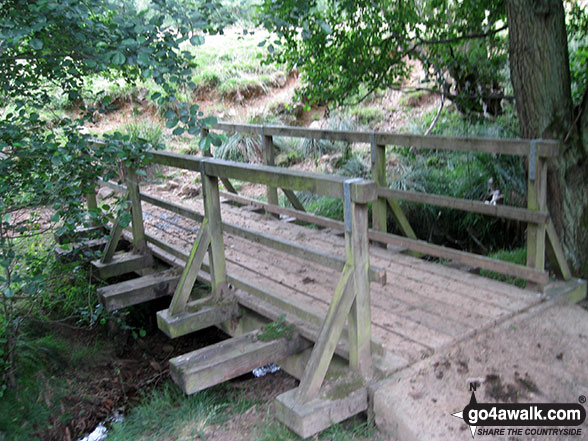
(293, 199)
(324, 348)
(212, 210)
(80, 233)
(379, 207)
(536, 200)
(530, 274)
(360, 321)
(331, 261)
(519, 147)
(229, 359)
(112, 244)
(75, 250)
(269, 159)
(324, 185)
(198, 315)
(556, 254)
(136, 291)
(302, 216)
(139, 244)
(122, 263)
(309, 418)
(190, 273)
(504, 211)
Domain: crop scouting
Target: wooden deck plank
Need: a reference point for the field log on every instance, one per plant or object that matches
(424, 306)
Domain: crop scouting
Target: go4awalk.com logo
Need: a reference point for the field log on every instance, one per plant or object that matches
(524, 419)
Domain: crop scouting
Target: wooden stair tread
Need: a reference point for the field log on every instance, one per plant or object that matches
(229, 359)
(139, 290)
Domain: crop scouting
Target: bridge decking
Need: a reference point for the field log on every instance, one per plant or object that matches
(422, 308)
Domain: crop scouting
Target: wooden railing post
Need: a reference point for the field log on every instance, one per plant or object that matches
(139, 243)
(217, 247)
(537, 201)
(357, 244)
(380, 207)
(92, 205)
(351, 299)
(269, 159)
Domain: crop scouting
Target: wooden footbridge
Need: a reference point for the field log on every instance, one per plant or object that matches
(338, 305)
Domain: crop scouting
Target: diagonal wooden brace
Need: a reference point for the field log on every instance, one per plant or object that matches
(191, 270)
(112, 243)
(324, 348)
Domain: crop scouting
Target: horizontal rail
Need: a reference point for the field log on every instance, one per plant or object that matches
(420, 246)
(328, 260)
(519, 147)
(510, 269)
(504, 211)
(324, 185)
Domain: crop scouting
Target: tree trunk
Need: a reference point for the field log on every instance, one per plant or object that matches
(539, 66)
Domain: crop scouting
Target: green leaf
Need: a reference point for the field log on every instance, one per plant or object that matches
(36, 44)
(178, 131)
(171, 123)
(119, 59)
(210, 121)
(142, 333)
(124, 219)
(169, 114)
(197, 40)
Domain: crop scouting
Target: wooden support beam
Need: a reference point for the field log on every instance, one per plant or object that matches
(308, 419)
(556, 254)
(136, 291)
(293, 200)
(113, 240)
(324, 348)
(191, 270)
(360, 322)
(122, 263)
(139, 244)
(400, 218)
(199, 314)
(536, 200)
(215, 229)
(229, 359)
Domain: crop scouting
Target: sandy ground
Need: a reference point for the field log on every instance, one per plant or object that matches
(536, 357)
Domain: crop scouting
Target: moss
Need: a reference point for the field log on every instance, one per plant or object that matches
(343, 388)
(276, 329)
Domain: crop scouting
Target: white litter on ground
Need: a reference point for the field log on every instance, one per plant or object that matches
(100, 432)
(267, 369)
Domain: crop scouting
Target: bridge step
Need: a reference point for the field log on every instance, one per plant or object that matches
(198, 315)
(140, 290)
(80, 233)
(75, 250)
(307, 419)
(229, 359)
(122, 263)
